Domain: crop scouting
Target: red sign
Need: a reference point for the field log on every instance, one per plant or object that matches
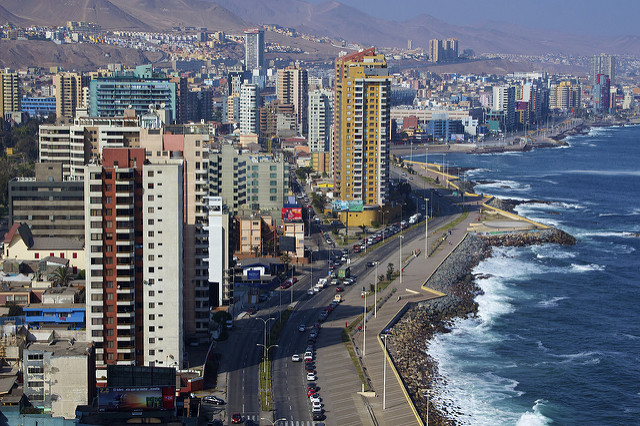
(292, 213)
(136, 398)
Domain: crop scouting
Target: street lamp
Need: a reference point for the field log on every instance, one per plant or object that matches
(375, 293)
(273, 422)
(426, 228)
(364, 326)
(384, 373)
(265, 321)
(400, 266)
(426, 394)
(266, 353)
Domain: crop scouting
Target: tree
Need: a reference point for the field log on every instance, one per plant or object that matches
(286, 260)
(389, 271)
(364, 230)
(62, 276)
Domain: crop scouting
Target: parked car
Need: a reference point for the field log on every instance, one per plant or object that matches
(311, 377)
(211, 399)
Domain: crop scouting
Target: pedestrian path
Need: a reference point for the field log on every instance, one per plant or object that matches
(397, 409)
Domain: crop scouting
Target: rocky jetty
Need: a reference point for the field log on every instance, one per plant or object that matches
(453, 277)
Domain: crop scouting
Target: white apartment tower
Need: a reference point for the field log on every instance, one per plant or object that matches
(321, 120)
(249, 111)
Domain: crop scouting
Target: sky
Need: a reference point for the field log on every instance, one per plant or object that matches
(594, 17)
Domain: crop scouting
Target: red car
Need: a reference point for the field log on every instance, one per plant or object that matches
(285, 285)
(236, 418)
(339, 289)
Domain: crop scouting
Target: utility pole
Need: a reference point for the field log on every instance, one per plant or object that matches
(426, 228)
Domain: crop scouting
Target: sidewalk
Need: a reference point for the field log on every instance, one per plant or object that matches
(415, 273)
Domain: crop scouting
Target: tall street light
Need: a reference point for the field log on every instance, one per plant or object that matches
(266, 353)
(364, 326)
(401, 238)
(426, 228)
(265, 321)
(384, 373)
(375, 293)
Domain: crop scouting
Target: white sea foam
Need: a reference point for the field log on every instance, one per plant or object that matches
(552, 251)
(586, 268)
(551, 303)
(607, 234)
(506, 184)
(534, 417)
(464, 356)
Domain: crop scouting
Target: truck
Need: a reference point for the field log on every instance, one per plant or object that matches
(415, 218)
(344, 272)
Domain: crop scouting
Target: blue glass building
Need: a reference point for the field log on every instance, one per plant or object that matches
(38, 107)
(110, 96)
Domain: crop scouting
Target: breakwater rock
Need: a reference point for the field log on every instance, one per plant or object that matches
(535, 237)
(455, 278)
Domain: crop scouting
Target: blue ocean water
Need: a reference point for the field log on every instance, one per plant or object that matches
(557, 338)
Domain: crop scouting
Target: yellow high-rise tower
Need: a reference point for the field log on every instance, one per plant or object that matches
(10, 90)
(362, 128)
(68, 94)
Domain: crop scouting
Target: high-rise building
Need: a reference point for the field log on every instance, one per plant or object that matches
(51, 205)
(504, 101)
(222, 290)
(247, 182)
(10, 92)
(75, 145)
(602, 93)
(565, 95)
(443, 50)
(111, 96)
(362, 128)
(253, 49)
(249, 109)
(68, 94)
(320, 120)
(292, 88)
(603, 64)
(133, 250)
(193, 150)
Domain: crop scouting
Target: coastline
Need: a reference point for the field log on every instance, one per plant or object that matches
(553, 138)
(420, 324)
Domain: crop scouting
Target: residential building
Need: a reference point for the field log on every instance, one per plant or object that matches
(38, 106)
(68, 94)
(603, 64)
(295, 230)
(601, 93)
(292, 88)
(247, 182)
(320, 112)
(111, 96)
(565, 96)
(362, 128)
(10, 92)
(51, 205)
(443, 50)
(134, 259)
(75, 145)
(504, 101)
(254, 49)
(249, 109)
(193, 150)
(59, 375)
(221, 289)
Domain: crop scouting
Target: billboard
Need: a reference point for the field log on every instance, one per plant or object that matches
(287, 244)
(253, 274)
(136, 398)
(292, 213)
(350, 205)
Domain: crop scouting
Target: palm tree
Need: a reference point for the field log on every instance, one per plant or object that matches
(286, 260)
(62, 276)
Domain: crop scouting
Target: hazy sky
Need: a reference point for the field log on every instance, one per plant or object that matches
(597, 17)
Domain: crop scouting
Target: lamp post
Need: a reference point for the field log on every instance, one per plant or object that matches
(426, 394)
(400, 265)
(266, 354)
(426, 228)
(364, 326)
(273, 422)
(265, 321)
(375, 293)
(384, 373)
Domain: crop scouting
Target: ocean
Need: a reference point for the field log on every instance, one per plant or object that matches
(557, 336)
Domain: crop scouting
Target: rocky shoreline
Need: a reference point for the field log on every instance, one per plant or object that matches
(453, 277)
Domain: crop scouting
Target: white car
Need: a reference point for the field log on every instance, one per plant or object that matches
(302, 328)
(315, 398)
(295, 358)
(316, 405)
(311, 377)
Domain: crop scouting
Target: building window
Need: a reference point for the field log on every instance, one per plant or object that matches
(37, 256)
